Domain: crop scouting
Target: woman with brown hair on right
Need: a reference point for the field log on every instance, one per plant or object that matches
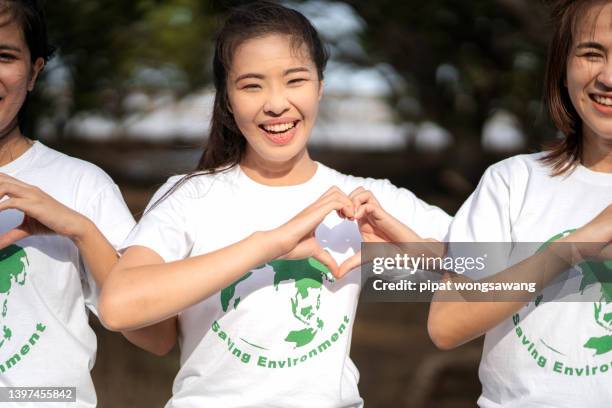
(546, 352)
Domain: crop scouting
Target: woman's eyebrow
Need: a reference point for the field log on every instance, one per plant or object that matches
(591, 44)
(9, 47)
(249, 75)
(294, 70)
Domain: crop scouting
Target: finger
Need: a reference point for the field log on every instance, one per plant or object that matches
(364, 197)
(348, 265)
(12, 236)
(366, 209)
(334, 193)
(12, 203)
(340, 204)
(12, 190)
(6, 178)
(331, 191)
(356, 191)
(326, 259)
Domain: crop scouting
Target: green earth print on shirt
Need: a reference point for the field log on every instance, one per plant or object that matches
(595, 273)
(307, 275)
(12, 271)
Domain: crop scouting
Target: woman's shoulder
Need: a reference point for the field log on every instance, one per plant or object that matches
(349, 182)
(518, 169)
(74, 171)
(198, 183)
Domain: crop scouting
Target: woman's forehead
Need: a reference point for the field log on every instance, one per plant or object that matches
(268, 52)
(10, 31)
(595, 23)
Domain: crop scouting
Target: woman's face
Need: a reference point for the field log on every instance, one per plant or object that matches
(17, 74)
(589, 72)
(274, 94)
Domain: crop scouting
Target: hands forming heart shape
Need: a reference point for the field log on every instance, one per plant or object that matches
(45, 215)
(42, 213)
(375, 225)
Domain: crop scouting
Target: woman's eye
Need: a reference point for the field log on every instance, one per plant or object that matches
(7, 57)
(251, 86)
(296, 81)
(592, 56)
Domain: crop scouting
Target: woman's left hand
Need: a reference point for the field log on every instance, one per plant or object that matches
(42, 213)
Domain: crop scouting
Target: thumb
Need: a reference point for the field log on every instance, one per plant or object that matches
(12, 236)
(349, 264)
(326, 259)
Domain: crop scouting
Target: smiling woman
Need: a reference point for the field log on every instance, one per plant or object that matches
(536, 353)
(59, 220)
(19, 69)
(235, 253)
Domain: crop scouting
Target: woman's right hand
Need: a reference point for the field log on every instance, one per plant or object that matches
(594, 239)
(296, 238)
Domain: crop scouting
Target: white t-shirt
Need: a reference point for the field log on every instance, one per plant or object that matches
(550, 353)
(45, 338)
(280, 336)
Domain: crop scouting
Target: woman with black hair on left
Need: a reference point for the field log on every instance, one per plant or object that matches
(53, 214)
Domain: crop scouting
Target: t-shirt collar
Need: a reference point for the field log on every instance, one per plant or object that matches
(22, 161)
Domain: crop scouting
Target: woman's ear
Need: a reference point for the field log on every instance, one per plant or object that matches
(37, 67)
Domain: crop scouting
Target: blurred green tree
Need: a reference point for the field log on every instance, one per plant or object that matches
(462, 60)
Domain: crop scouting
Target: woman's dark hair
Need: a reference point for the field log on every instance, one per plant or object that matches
(226, 144)
(30, 17)
(566, 154)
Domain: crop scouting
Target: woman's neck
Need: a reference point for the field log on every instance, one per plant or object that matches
(596, 152)
(13, 145)
(298, 170)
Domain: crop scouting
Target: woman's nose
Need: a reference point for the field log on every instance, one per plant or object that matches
(604, 78)
(276, 103)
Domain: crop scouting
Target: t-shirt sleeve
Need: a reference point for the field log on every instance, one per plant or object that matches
(166, 226)
(426, 220)
(485, 215)
(483, 224)
(108, 211)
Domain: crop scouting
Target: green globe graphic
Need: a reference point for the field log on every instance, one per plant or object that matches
(12, 271)
(307, 276)
(599, 273)
(594, 273)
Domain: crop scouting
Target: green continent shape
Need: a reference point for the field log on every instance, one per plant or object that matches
(301, 337)
(307, 273)
(601, 345)
(228, 293)
(11, 267)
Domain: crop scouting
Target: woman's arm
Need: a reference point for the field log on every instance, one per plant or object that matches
(45, 215)
(453, 320)
(141, 290)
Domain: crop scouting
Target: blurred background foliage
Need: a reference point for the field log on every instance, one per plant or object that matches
(458, 60)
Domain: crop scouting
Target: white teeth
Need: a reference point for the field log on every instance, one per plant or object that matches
(603, 100)
(283, 127)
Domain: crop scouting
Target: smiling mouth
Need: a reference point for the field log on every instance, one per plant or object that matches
(280, 128)
(601, 100)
